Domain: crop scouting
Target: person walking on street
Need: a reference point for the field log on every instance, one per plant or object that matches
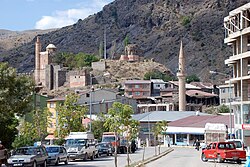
(197, 144)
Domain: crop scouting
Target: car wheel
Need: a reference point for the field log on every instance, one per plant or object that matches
(238, 161)
(219, 160)
(67, 161)
(97, 155)
(57, 161)
(203, 157)
(45, 164)
(93, 156)
(34, 164)
(85, 157)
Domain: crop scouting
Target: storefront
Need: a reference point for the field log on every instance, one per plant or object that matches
(184, 136)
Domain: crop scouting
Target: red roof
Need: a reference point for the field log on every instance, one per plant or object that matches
(200, 121)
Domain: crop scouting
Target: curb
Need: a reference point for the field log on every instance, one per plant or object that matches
(155, 157)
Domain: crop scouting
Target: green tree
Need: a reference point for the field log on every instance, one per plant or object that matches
(15, 98)
(120, 121)
(70, 116)
(125, 42)
(158, 75)
(160, 128)
(98, 126)
(32, 132)
(192, 78)
(223, 109)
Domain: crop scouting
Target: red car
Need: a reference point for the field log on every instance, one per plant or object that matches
(223, 151)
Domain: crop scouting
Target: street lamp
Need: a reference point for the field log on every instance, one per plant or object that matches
(230, 98)
(90, 96)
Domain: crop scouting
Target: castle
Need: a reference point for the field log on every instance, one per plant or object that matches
(53, 76)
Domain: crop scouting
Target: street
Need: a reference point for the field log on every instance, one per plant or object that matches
(108, 161)
(188, 157)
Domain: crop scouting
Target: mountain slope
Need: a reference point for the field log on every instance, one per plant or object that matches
(156, 26)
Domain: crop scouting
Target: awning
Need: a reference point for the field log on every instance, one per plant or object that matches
(185, 130)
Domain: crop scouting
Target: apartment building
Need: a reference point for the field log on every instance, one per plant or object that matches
(237, 35)
(137, 88)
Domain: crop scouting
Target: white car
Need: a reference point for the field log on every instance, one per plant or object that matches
(238, 143)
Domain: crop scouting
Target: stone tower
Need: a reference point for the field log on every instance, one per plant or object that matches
(42, 60)
(38, 47)
(182, 80)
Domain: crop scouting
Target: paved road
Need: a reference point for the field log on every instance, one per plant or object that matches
(109, 161)
(187, 157)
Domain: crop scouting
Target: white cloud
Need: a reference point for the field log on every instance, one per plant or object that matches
(68, 17)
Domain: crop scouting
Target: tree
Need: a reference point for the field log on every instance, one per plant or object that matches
(223, 109)
(15, 98)
(160, 128)
(70, 116)
(120, 121)
(192, 78)
(125, 42)
(98, 126)
(32, 132)
(157, 75)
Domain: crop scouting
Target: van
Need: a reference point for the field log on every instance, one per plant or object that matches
(80, 145)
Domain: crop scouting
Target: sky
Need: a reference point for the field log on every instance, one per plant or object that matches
(19, 15)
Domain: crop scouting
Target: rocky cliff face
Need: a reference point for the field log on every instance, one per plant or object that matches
(157, 26)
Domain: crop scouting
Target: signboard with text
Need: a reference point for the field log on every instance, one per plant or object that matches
(246, 126)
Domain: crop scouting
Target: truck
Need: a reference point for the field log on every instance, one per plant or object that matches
(115, 140)
(215, 132)
(80, 145)
(223, 151)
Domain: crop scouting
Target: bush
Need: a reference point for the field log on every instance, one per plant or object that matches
(185, 20)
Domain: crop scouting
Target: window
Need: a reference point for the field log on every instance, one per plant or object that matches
(52, 105)
(158, 85)
(145, 93)
(223, 101)
(129, 86)
(130, 93)
(137, 86)
(223, 90)
(137, 93)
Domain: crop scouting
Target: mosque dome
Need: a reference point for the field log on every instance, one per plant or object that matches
(51, 46)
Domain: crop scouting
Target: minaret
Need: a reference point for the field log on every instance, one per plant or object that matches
(182, 80)
(38, 47)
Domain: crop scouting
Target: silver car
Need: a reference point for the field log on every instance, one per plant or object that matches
(29, 156)
(57, 154)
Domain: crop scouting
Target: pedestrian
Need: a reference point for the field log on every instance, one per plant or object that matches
(197, 144)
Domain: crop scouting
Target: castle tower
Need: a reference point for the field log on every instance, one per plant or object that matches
(182, 80)
(38, 47)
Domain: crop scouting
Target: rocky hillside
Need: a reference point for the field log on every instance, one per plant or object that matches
(14, 39)
(157, 26)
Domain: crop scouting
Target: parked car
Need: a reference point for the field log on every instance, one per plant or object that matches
(223, 151)
(57, 154)
(29, 156)
(105, 148)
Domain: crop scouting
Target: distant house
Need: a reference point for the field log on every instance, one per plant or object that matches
(226, 95)
(157, 86)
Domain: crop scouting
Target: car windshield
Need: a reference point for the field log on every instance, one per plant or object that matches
(52, 149)
(75, 142)
(108, 139)
(226, 146)
(25, 151)
(104, 145)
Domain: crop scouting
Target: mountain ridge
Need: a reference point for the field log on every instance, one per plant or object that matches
(156, 26)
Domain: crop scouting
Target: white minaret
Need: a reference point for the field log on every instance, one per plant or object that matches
(182, 80)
